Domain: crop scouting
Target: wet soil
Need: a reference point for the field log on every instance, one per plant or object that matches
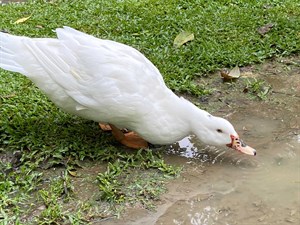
(221, 186)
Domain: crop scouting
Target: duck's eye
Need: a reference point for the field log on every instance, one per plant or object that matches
(219, 131)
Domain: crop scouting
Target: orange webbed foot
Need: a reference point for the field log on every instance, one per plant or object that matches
(130, 139)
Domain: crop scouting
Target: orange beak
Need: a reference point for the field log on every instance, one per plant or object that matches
(239, 145)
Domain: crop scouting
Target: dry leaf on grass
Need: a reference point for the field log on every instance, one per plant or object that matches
(182, 38)
(73, 173)
(22, 20)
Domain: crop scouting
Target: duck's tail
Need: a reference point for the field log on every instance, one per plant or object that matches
(10, 47)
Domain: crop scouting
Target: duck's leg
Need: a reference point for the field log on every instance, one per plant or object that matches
(105, 127)
(130, 139)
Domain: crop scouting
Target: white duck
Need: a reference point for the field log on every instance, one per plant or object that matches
(114, 84)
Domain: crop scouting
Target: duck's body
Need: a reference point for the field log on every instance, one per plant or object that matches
(105, 81)
(115, 84)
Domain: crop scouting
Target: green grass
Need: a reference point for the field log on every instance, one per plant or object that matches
(35, 136)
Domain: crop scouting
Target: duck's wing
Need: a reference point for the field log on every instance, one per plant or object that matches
(86, 69)
(114, 69)
(96, 54)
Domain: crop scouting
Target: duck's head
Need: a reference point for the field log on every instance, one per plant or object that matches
(218, 131)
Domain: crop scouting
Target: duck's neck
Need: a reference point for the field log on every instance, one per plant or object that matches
(197, 119)
(175, 119)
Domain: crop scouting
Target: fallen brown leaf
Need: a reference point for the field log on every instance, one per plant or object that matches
(232, 74)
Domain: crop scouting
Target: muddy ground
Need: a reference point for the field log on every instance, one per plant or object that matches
(220, 186)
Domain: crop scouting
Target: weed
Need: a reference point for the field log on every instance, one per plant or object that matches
(122, 171)
(257, 88)
(53, 197)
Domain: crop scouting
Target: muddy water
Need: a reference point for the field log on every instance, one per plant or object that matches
(221, 186)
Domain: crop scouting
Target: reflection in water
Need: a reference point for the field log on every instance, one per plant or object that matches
(184, 148)
(191, 148)
(205, 217)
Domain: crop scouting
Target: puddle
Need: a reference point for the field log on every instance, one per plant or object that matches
(221, 186)
(238, 190)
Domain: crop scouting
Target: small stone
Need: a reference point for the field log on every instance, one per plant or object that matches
(262, 218)
(257, 204)
(290, 220)
(293, 212)
(41, 208)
